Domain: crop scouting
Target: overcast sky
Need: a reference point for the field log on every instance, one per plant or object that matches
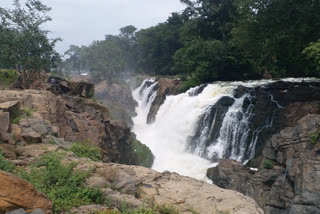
(79, 22)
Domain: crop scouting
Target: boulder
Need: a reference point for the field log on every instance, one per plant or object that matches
(13, 107)
(164, 87)
(60, 85)
(31, 137)
(183, 193)
(4, 125)
(17, 193)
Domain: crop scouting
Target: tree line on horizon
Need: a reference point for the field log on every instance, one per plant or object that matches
(209, 40)
(214, 40)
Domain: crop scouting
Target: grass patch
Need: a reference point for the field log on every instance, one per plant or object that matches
(25, 113)
(17, 119)
(268, 164)
(144, 155)
(6, 165)
(62, 184)
(86, 149)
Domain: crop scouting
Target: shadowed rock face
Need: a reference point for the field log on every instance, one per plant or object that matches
(74, 119)
(293, 184)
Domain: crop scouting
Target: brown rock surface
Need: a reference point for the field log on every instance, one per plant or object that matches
(164, 87)
(17, 193)
(74, 119)
(182, 192)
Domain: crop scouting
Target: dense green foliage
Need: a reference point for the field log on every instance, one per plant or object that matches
(216, 40)
(62, 184)
(87, 150)
(23, 43)
(144, 154)
(5, 165)
(7, 77)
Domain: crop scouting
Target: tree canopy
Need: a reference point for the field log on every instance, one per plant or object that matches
(23, 43)
(218, 40)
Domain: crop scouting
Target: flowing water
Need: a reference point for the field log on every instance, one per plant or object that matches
(186, 136)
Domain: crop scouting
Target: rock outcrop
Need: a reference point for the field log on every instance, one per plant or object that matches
(17, 193)
(140, 187)
(72, 118)
(164, 87)
(58, 85)
(290, 183)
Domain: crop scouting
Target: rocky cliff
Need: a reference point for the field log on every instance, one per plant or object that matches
(287, 154)
(38, 122)
(69, 117)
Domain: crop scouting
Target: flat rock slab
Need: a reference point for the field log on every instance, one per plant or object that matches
(17, 193)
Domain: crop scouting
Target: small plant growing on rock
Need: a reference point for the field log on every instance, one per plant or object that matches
(87, 150)
(315, 137)
(62, 184)
(268, 164)
(5, 165)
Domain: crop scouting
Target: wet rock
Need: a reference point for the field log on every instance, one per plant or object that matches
(214, 114)
(164, 87)
(292, 185)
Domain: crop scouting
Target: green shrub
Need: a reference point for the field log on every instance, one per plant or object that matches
(7, 77)
(87, 150)
(26, 113)
(5, 165)
(189, 84)
(315, 137)
(144, 155)
(168, 209)
(268, 164)
(62, 184)
(17, 119)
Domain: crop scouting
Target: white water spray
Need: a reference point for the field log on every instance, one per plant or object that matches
(177, 120)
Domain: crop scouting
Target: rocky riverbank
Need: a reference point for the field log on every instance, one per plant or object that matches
(38, 123)
(287, 154)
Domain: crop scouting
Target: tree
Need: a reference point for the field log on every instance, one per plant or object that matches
(128, 32)
(312, 53)
(24, 45)
(74, 58)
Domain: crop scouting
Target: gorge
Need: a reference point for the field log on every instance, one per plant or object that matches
(195, 130)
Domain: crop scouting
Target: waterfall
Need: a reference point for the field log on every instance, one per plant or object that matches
(193, 130)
